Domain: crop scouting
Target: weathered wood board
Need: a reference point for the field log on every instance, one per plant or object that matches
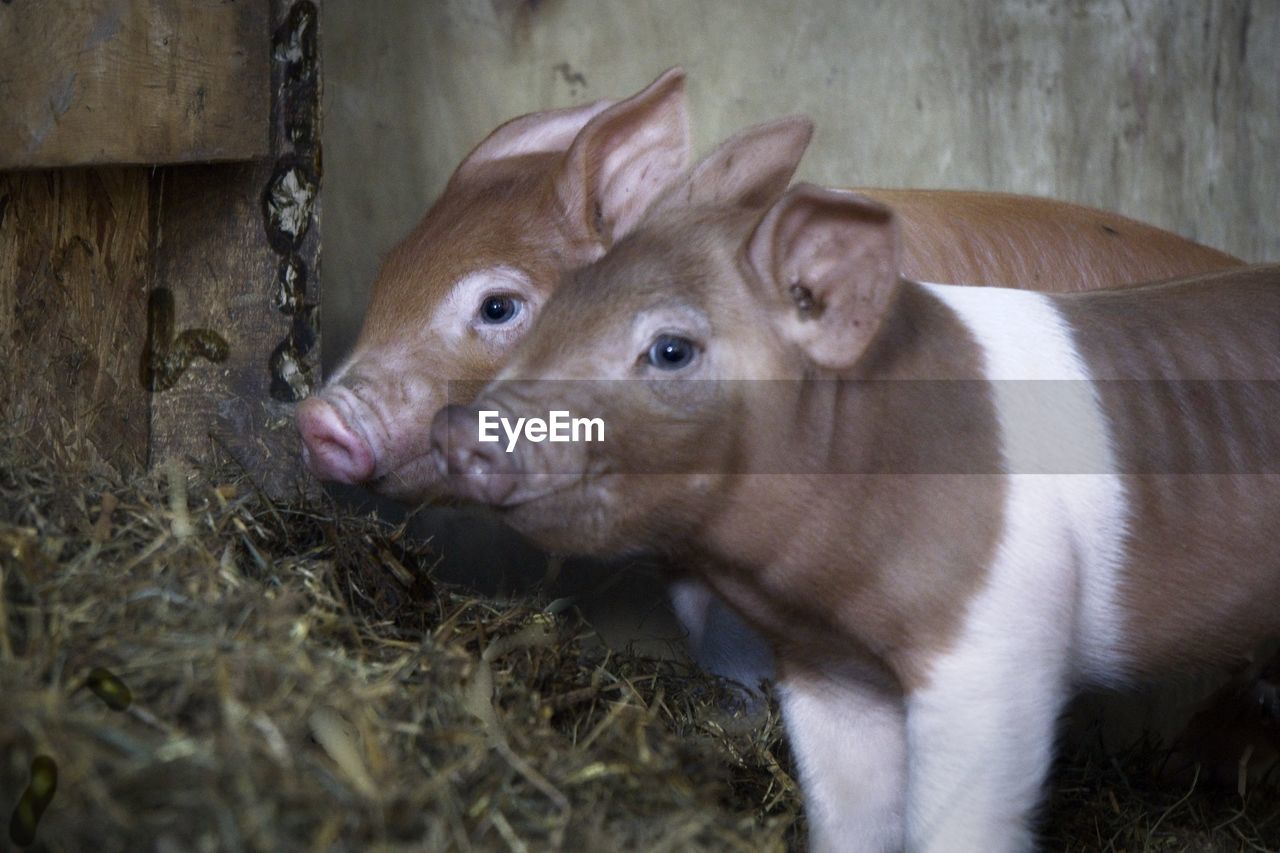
(160, 312)
(87, 82)
(215, 263)
(1163, 110)
(236, 263)
(74, 250)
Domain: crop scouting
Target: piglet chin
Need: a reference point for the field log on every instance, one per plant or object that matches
(567, 514)
(498, 480)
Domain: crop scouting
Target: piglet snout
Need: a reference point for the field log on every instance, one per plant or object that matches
(481, 471)
(333, 450)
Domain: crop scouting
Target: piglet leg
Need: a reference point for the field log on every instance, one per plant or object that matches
(849, 740)
(980, 728)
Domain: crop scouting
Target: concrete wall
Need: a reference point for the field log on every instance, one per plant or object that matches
(1165, 110)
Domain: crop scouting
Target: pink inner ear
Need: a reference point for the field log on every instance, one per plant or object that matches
(625, 158)
(536, 133)
(646, 159)
(834, 239)
(842, 249)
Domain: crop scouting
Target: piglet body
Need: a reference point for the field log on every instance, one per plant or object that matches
(944, 506)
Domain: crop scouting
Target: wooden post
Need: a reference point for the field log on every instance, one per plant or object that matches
(238, 248)
(87, 82)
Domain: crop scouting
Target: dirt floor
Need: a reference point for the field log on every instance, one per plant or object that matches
(203, 669)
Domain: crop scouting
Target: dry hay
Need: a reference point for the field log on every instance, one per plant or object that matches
(297, 681)
(213, 671)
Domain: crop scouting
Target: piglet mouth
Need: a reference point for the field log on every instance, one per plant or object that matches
(417, 479)
(538, 488)
(504, 487)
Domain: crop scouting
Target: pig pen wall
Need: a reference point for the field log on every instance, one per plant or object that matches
(1164, 110)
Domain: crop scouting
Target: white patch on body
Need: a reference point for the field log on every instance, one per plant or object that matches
(981, 731)
(850, 745)
(1042, 383)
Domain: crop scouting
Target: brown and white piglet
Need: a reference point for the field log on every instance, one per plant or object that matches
(543, 194)
(945, 506)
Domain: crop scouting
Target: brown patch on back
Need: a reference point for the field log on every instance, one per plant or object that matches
(959, 237)
(1202, 574)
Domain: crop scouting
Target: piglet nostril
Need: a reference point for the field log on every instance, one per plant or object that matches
(332, 448)
(478, 470)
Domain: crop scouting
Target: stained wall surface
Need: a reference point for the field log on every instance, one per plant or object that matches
(1164, 110)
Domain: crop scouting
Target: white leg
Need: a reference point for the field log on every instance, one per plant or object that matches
(980, 731)
(849, 741)
(980, 752)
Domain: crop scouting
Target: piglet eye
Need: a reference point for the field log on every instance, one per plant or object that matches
(670, 352)
(499, 308)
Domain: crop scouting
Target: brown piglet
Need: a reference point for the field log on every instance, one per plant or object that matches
(945, 507)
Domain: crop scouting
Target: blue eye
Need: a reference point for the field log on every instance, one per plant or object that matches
(669, 352)
(500, 308)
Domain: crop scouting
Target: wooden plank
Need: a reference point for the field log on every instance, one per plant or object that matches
(237, 250)
(133, 81)
(73, 268)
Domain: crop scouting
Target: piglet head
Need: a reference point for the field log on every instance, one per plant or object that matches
(676, 341)
(541, 195)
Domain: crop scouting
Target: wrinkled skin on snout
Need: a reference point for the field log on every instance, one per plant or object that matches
(606, 486)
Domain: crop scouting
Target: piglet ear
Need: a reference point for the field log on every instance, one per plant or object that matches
(537, 133)
(749, 169)
(624, 158)
(831, 257)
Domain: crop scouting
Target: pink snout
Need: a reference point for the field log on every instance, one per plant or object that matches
(481, 471)
(332, 449)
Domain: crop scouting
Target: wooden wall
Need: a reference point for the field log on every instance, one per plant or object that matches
(166, 309)
(1165, 110)
(74, 263)
(133, 81)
